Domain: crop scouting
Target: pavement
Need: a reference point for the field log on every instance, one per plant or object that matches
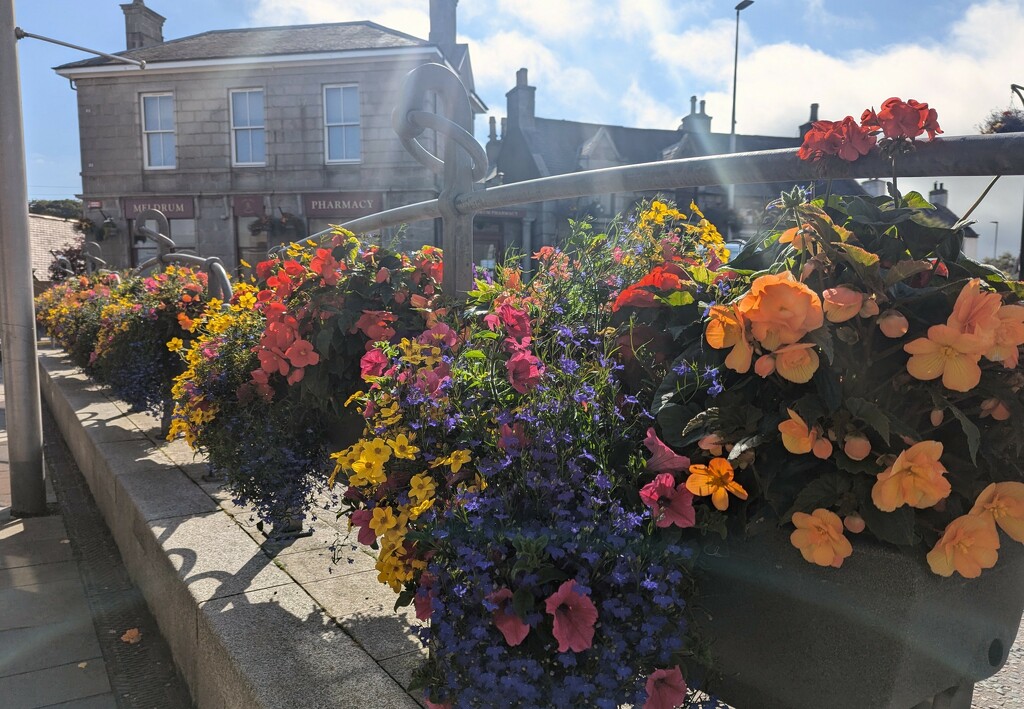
(66, 603)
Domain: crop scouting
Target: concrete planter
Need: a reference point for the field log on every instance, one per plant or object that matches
(881, 632)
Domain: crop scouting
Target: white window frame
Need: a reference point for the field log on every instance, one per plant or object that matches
(236, 130)
(146, 133)
(328, 126)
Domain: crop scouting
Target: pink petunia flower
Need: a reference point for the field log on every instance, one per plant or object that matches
(666, 689)
(670, 504)
(524, 371)
(373, 363)
(663, 458)
(575, 615)
(512, 627)
(516, 321)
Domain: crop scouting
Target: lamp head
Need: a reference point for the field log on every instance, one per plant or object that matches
(744, 5)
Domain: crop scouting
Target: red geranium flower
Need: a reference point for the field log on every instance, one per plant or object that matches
(575, 615)
(843, 138)
(902, 119)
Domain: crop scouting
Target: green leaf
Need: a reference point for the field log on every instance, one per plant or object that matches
(914, 200)
(702, 419)
(893, 527)
(745, 444)
(474, 354)
(677, 298)
(905, 269)
(323, 341)
(823, 491)
(829, 388)
(486, 335)
(870, 414)
(522, 602)
(822, 337)
(969, 428)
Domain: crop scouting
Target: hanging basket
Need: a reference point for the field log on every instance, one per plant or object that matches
(883, 631)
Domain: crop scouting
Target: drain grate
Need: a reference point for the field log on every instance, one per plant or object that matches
(142, 676)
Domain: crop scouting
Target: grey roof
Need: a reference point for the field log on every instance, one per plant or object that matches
(267, 41)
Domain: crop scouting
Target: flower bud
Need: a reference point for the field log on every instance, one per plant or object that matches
(842, 303)
(995, 408)
(936, 417)
(893, 324)
(869, 309)
(857, 447)
(854, 523)
(764, 365)
(822, 448)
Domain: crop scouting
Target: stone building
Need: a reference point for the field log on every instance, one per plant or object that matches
(284, 128)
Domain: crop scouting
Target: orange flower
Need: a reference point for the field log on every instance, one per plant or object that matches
(975, 313)
(796, 363)
(841, 304)
(715, 479)
(800, 238)
(781, 310)
(995, 408)
(967, 546)
(819, 537)
(1004, 502)
(948, 353)
(797, 436)
(893, 324)
(857, 447)
(1009, 336)
(764, 366)
(915, 478)
(727, 328)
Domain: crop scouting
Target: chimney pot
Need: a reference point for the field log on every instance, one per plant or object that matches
(521, 77)
(521, 103)
(492, 128)
(702, 102)
(814, 112)
(693, 105)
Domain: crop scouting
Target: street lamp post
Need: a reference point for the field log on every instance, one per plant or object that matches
(995, 242)
(732, 125)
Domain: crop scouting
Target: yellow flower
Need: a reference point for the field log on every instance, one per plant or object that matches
(1004, 502)
(376, 451)
(819, 537)
(175, 344)
(915, 478)
(948, 353)
(715, 479)
(402, 447)
(383, 519)
(458, 459)
(968, 545)
(417, 510)
(422, 487)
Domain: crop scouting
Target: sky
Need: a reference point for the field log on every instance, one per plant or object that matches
(623, 62)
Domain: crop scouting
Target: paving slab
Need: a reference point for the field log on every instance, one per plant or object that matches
(383, 633)
(402, 666)
(37, 574)
(45, 551)
(70, 640)
(42, 604)
(322, 564)
(53, 685)
(160, 494)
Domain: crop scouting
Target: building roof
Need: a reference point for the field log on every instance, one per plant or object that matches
(48, 234)
(266, 41)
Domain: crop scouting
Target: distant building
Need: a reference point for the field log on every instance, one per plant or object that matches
(938, 196)
(48, 234)
(530, 147)
(287, 128)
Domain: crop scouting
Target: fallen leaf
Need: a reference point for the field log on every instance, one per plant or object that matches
(82, 665)
(131, 636)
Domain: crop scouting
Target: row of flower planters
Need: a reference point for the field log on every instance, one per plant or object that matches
(543, 467)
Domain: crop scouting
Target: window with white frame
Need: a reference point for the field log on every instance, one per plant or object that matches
(248, 137)
(341, 123)
(158, 141)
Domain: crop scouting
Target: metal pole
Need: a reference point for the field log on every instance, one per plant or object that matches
(995, 243)
(732, 124)
(17, 315)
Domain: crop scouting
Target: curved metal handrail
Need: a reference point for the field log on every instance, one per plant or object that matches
(218, 284)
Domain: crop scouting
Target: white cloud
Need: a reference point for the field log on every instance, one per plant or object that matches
(554, 19)
(644, 111)
(409, 16)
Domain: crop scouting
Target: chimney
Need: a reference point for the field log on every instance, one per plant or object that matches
(939, 196)
(442, 26)
(696, 122)
(806, 127)
(142, 26)
(875, 187)
(493, 146)
(521, 103)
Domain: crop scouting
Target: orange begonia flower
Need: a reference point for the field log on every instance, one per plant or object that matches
(915, 478)
(995, 408)
(819, 537)
(967, 546)
(781, 310)
(822, 448)
(948, 353)
(727, 328)
(841, 304)
(1009, 336)
(715, 479)
(797, 436)
(796, 363)
(893, 324)
(857, 447)
(800, 238)
(975, 314)
(1004, 502)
